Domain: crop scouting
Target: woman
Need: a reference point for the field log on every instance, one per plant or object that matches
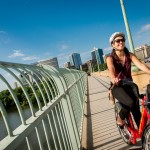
(119, 66)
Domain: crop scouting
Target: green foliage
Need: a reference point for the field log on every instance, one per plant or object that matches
(95, 68)
(102, 67)
(20, 95)
(7, 100)
(85, 69)
(105, 66)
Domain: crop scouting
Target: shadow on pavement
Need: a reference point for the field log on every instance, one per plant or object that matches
(89, 122)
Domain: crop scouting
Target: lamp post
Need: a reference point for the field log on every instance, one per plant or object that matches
(134, 68)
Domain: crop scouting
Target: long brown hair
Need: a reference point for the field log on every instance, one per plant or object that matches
(114, 55)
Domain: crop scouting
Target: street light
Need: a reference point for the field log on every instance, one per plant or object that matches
(134, 68)
(127, 27)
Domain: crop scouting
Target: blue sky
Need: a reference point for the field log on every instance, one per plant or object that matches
(31, 30)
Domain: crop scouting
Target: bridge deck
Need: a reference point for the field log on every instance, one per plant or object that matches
(100, 131)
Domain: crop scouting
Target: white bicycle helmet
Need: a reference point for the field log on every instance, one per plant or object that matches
(114, 35)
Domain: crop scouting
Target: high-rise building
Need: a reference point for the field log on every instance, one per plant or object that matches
(86, 66)
(32, 77)
(75, 60)
(142, 52)
(52, 62)
(97, 56)
(67, 65)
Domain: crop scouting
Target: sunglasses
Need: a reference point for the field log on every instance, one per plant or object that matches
(119, 40)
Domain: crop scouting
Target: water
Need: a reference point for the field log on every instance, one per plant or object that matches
(15, 121)
(14, 118)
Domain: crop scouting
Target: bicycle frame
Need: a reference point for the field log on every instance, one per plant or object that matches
(145, 116)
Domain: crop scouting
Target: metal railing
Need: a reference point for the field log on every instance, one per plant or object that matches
(57, 121)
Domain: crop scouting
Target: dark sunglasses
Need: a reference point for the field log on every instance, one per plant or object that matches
(119, 40)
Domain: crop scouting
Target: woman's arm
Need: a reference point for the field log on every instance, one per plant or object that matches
(111, 69)
(139, 64)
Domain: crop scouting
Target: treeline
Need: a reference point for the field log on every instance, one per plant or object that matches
(94, 68)
(102, 67)
(8, 101)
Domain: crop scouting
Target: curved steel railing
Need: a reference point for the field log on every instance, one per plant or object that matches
(56, 122)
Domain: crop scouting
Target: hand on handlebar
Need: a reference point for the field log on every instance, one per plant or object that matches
(115, 80)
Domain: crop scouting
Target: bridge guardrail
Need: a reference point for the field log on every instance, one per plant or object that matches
(57, 121)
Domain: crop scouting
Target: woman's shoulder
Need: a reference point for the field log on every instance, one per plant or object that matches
(109, 58)
(131, 54)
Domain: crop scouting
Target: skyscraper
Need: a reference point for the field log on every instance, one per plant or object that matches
(52, 62)
(75, 60)
(142, 52)
(97, 56)
(67, 65)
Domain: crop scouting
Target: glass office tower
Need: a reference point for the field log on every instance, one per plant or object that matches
(97, 56)
(75, 60)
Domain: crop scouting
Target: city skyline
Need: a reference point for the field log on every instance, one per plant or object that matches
(35, 30)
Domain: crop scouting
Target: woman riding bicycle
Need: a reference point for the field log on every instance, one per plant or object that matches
(119, 66)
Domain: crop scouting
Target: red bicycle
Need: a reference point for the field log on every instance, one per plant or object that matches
(128, 131)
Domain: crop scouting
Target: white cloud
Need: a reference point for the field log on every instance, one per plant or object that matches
(145, 28)
(30, 58)
(47, 53)
(64, 47)
(142, 37)
(108, 49)
(17, 53)
(3, 32)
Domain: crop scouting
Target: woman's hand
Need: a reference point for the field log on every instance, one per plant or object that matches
(115, 80)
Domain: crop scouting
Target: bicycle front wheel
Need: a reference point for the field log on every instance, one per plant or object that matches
(123, 130)
(146, 139)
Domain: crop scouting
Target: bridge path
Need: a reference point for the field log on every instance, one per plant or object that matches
(100, 131)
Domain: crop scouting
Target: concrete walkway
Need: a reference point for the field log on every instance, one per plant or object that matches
(100, 131)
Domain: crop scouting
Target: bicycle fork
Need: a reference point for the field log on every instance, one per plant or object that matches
(132, 132)
(143, 121)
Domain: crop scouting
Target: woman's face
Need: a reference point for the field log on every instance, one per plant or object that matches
(119, 43)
